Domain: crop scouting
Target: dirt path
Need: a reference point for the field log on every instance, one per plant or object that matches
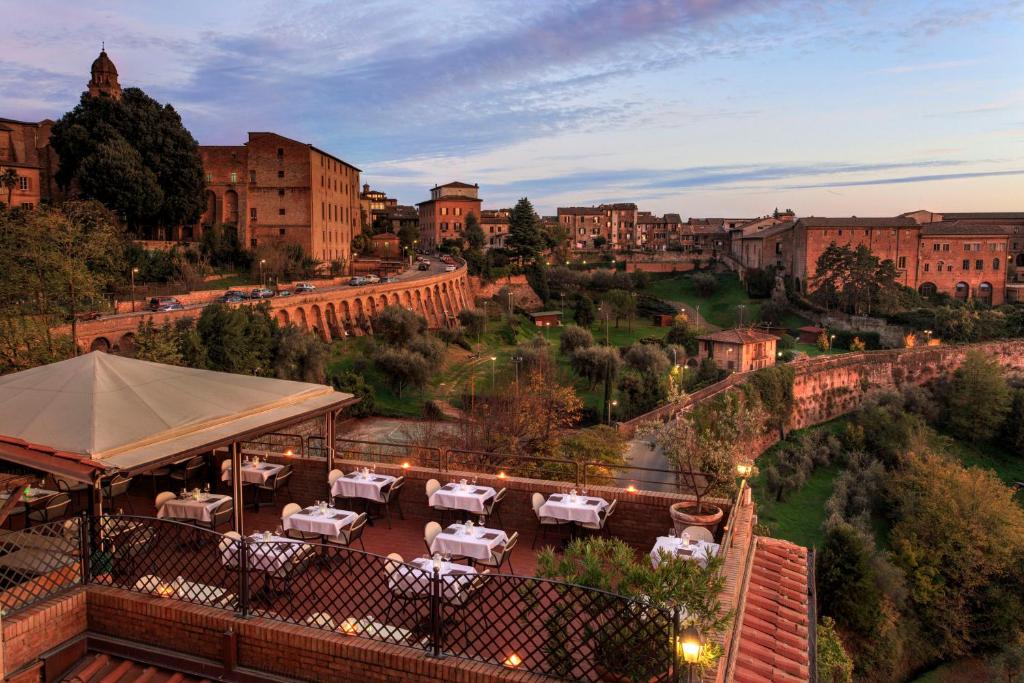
(695, 318)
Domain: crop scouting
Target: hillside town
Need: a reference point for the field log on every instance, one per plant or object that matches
(269, 411)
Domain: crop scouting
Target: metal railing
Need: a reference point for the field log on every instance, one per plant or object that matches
(40, 562)
(546, 627)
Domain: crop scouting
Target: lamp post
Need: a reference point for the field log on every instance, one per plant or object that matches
(831, 341)
(134, 271)
(561, 295)
(510, 302)
(697, 321)
(740, 308)
(689, 647)
(927, 334)
(485, 315)
(516, 360)
(610, 404)
(493, 359)
(262, 282)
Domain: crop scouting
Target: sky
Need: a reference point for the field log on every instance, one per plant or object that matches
(725, 108)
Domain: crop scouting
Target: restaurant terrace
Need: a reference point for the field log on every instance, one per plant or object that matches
(128, 541)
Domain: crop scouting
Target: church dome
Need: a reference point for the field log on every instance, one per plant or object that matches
(103, 65)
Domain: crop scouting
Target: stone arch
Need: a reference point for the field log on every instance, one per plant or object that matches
(984, 293)
(962, 291)
(283, 318)
(406, 299)
(438, 304)
(100, 344)
(210, 212)
(928, 289)
(371, 307)
(332, 321)
(317, 320)
(394, 299)
(300, 318)
(231, 207)
(126, 344)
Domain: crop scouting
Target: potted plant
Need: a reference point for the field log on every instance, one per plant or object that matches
(629, 611)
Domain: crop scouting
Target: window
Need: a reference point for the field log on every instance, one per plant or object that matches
(936, 246)
(252, 176)
(28, 206)
(967, 246)
(967, 264)
(458, 210)
(252, 214)
(280, 174)
(778, 247)
(945, 246)
(280, 193)
(901, 262)
(234, 176)
(209, 177)
(23, 182)
(926, 267)
(979, 264)
(444, 210)
(995, 264)
(280, 212)
(458, 226)
(280, 231)
(280, 152)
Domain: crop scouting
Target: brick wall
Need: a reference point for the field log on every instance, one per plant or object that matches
(36, 630)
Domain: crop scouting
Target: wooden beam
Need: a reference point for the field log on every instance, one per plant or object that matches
(18, 485)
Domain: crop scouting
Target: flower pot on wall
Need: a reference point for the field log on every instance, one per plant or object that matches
(685, 514)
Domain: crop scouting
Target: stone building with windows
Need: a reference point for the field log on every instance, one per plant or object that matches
(738, 350)
(25, 149)
(964, 260)
(608, 226)
(443, 216)
(495, 224)
(277, 191)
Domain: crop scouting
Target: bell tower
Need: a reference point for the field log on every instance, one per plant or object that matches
(104, 78)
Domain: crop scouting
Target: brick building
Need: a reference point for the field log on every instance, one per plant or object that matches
(373, 207)
(771, 247)
(277, 191)
(964, 260)
(739, 350)
(495, 224)
(25, 148)
(608, 226)
(398, 216)
(443, 216)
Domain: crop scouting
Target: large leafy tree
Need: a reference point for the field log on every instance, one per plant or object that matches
(135, 156)
(474, 234)
(525, 239)
(855, 280)
(979, 399)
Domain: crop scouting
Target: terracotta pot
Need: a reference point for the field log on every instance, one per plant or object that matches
(685, 514)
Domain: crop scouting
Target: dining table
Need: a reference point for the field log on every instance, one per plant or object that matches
(675, 546)
(311, 520)
(199, 508)
(573, 508)
(416, 577)
(253, 473)
(364, 485)
(475, 542)
(462, 496)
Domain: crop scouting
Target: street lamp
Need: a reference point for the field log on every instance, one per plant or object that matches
(610, 404)
(516, 360)
(689, 647)
(134, 271)
(493, 359)
(740, 307)
(262, 261)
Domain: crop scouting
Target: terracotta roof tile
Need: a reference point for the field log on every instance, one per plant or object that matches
(740, 335)
(774, 630)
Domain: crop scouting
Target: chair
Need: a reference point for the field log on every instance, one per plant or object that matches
(221, 516)
(402, 586)
(229, 547)
(321, 620)
(602, 518)
(187, 474)
(492, 507)
(502, 554)
(289, 510)
(162, 498)
(118, 488)
(274, 483)
(543, 521)
(390, 492)
(54, 508)
(332, 477)
(72, 489)
(430, 532)
(225, 473)
(699, 533)
(350, 534)
(432, 486)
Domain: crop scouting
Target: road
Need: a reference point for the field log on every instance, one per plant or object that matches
(436, 268)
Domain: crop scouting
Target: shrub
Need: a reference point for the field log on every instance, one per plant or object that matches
(681, 334)
(573, 338)
(641, 392)
(432, 411)
(834, 665)
(472, 321)
(705, 284)
(583, 312)
(430, 348)
(647, 359)
(979, 398)
(396, 325)
(847, 590)
(355, 384)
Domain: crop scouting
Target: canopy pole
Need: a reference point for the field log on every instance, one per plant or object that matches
(329, 434)
(237, 490)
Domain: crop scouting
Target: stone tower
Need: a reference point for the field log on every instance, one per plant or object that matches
(104, 78)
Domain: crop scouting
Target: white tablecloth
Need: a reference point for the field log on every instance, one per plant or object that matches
(478, 546)
(254, 474)
(311, 521)
(454, 496)
(266, 556)
(189, 508)
(698, 549)
(582, 509)
(353, 485)
(415, 578)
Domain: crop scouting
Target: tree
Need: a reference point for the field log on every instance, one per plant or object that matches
(979, 398)
(9, 181)
(396, 325)
(601, 444)
(299, 355)
(473, 233)
(402, 368)
(537, 277)
(681, 334)
(135, 156)
(834, 665)
(596, 364)
(847, 587)
(408, 235)
(353, 383)
(1013, 427)
(239, 340)
(157, 344)
(705, 284)
(574, 338)
(647, 359)
(641, 392)
(623, 305)
(855, 280)
(472, 321)
(583, 311)
(524, 239)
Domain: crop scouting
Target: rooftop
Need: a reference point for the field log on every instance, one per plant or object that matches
(741, 335)
(960, 228)
(857, 222)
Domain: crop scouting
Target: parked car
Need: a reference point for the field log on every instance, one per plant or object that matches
(170, 306)
(357, 281)
(371, 279)
(232, 297)
(388, 279)
(157, 302)
(304, 287)
(423, 266)
(284, 292)
(449, 268)
(261, 293)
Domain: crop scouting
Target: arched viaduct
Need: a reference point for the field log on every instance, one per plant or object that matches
(331, 313)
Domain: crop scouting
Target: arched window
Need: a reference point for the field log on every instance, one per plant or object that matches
(995, 264)
(928, 289)
(1020, 260)
(985, 293)
(963, 290)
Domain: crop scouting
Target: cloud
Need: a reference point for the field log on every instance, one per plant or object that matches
(909, 179)
(931, 66)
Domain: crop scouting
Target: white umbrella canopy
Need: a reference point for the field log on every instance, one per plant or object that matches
(125, 412)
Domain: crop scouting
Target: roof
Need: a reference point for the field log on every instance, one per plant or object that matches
(298, 142)
(580, 210)
(855, 222)
(390, 236)
(456, 183)
(811, 328)
(102, 410)
(451, 198)
(740, 335)
(538, 314)
(103, 668)
(103, 64)
(958, 228)
(991, 216)
(774, 635)
(769, 232)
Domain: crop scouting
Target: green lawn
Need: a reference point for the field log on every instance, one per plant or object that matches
(720, 308)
